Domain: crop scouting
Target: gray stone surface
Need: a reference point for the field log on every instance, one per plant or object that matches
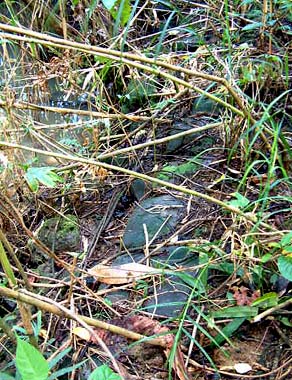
(170, 293)
(153, 213)
(138, 188)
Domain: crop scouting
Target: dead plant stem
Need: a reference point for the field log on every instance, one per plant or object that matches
(69, 314)
(166, 139)
(270, 311)
(48, 252)
(46, 304)
(247, 216)
(131, 59)
(64, 111)
(15, 259)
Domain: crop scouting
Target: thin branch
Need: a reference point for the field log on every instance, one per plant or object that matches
(272, 310)
(46, 304)
(247, 216)
(64, 111)
(131, 59)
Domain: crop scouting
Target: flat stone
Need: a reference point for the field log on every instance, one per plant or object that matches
(170, 295)
(165, 210)
(138, 188)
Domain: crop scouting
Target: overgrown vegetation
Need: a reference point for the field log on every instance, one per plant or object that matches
(158, 131)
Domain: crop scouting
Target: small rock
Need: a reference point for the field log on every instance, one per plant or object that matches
(61, 234)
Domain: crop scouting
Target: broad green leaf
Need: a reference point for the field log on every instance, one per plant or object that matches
(267, 257)
(252, 26)
(109, 4)
(44, 175)
(236, 312)
(104, 373)
(285, 266)
(126, 12)
(33, 183)
(287, 249)
(203, 273)
(267, 300)
(188, 167)
(228, 330)
(30, 362)
(287, 239)
(239, 202)
(228, 268)
(117, 13)
(286, 321)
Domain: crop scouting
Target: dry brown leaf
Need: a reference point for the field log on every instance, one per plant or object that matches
(82, 333)
(242, 297)
(122, 274)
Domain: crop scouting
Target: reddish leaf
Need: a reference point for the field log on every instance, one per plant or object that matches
(241, 296)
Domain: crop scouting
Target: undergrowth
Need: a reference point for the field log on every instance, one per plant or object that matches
(191, 99)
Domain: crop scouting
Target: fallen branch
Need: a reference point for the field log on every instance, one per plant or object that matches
(47, 305)
(64, 111)
(148, 64)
